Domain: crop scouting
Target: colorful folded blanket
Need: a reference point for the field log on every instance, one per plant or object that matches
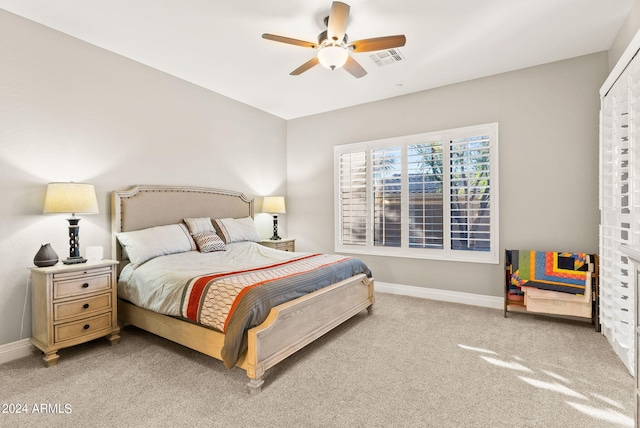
(563, 272)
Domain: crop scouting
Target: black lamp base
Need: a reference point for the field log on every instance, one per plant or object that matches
(74, 260)
(74, 245)
(275, 236)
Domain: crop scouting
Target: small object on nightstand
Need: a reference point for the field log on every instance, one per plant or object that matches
(73, 304)
(45, 256)
(94, 253)
(282, 244)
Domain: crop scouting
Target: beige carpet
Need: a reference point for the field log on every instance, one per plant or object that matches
(413, 363)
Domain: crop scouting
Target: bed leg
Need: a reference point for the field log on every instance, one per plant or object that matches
(255, 386)
(370, 309)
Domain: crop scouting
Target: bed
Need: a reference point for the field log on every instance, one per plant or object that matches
(287, 326)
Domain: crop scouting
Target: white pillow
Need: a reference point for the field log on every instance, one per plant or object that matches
(199, 225)
(145, 244)
(236, 229)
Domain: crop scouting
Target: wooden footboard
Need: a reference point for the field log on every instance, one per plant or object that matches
(293, 325)
(288, 328)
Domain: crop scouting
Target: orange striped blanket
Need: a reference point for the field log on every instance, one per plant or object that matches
(233, 302)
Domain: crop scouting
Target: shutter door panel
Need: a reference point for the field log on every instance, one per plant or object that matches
(619, 197)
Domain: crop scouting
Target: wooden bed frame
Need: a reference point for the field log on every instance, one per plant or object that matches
(288, 327)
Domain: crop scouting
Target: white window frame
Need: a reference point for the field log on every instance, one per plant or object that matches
(446, 253)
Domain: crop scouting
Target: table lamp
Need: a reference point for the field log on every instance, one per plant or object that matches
(71, 198)
(274, 205)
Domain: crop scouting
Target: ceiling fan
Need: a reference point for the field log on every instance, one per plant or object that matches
(333, 47)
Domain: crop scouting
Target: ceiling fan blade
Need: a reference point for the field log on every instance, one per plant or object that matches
(378, 43)
(337, 25)
(304, 67)
(353, 67)
(289, 41)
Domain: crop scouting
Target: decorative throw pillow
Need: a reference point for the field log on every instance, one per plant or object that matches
(236, 229)
(199, 224)
(145, 244)
(208, 242)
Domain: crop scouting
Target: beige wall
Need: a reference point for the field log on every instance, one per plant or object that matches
(548, 148)
(72, 112)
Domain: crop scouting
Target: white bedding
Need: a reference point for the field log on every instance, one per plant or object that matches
(157, 284)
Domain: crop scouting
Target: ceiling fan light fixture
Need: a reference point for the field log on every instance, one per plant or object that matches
(332, 47)
(333, 56)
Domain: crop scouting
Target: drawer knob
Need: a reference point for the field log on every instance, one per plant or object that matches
(85, 285)
(86, 305)
(86, 326)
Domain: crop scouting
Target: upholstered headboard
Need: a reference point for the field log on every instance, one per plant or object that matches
(143, 206)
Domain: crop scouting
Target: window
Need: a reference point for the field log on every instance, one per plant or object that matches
(431, 195)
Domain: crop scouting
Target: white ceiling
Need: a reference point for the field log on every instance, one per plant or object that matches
(218, 45)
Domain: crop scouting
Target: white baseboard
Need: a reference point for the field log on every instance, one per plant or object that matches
(14, 350)
(442, 295)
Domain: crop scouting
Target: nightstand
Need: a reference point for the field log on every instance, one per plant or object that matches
(281, 244)
(73, 304)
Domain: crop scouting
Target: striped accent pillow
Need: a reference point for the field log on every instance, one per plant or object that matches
(208, 242)
(199, 224)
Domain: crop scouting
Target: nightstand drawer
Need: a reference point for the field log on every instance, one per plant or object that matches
(281, 244)
(80, 273)
(85, 327)
(81, 307)
(284, 246)
(78, 286)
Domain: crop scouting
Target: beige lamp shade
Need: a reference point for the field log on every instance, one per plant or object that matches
(74, 198)
(273, 205)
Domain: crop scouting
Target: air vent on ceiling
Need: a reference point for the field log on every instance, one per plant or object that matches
(387, 57)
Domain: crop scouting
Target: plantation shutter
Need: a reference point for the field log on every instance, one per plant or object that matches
(387, 197)
(425, 171)
(426, 196)
(469, 193)
(353, 198)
